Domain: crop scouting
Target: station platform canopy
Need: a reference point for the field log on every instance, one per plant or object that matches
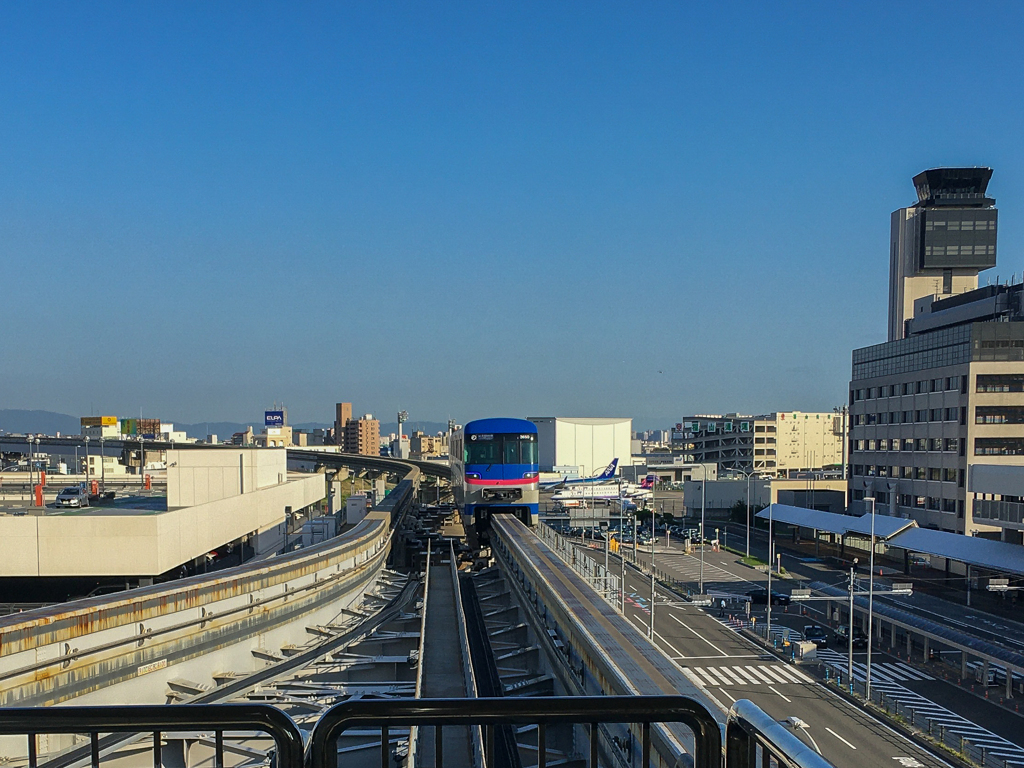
(997, 556)
(830, 522)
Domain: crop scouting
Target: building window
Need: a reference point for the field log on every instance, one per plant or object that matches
(1000, 382)
(950, 444)
(921, 415)
(951, 414)
(935, 414)
(908, 388)
(859, 445)
(919, 502)
(934, 473)
(999, 414)
(999, 446)
(858, 469)
(908, 444)
(935, 444)
(872, 418)
(873, 393)
(858, 496)
(908, 473)
(949, 505)
(922, 387)
(922, 444)
(920, 473)
(953, 382)
(859, 420)
(949, 475)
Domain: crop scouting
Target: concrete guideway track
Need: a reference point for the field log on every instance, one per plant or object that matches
(725, 665)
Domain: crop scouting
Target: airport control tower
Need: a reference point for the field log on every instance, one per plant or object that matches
(940, 244)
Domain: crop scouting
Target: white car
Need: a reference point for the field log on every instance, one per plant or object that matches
(73, 496)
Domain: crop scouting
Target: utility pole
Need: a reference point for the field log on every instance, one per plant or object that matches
(849, 639)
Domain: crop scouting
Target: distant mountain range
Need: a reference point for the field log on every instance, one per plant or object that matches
(50, 423)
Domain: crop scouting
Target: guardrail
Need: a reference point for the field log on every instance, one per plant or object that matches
(155, 720)
(752, 738)
(541, 711)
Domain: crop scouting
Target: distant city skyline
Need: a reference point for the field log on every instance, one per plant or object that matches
(603, 211)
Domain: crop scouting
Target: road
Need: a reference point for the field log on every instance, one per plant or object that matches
(725, 574)
(730, 667)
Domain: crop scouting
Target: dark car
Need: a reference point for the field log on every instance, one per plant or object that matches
(860, 640)
(817, 635)
(760, 597)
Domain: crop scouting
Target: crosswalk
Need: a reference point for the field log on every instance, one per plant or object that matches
(881, 671)
(749, 674)
(995, 746)
(687, 568)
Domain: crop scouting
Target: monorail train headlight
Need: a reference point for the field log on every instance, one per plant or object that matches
(529, 475)
(472, 475)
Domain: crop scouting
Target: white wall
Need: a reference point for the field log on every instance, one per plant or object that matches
(591, 444)
(140, 543)
(200, 476)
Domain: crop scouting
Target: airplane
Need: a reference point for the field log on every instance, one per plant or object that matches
(607, 493)
(607, 475)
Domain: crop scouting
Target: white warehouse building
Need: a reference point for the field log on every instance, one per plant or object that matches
(589, 444)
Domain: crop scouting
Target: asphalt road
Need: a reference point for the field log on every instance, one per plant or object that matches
(725, 574)
(730, 667)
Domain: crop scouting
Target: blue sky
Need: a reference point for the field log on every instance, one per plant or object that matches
(641, 209)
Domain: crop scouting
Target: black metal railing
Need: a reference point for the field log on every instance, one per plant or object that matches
(31, 722)
(752, 737)
(542, 711)
(750, 730)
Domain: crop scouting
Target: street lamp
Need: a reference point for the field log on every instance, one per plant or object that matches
(31, 473)
(747, 475)
(87, 490)
(871, 599)
(703, 507)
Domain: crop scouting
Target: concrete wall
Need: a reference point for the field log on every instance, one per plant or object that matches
(199, 476)
(141, 543)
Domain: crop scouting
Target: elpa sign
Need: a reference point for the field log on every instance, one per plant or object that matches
(273, 418)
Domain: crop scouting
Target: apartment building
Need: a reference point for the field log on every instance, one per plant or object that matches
(362, 436)
(776, 445)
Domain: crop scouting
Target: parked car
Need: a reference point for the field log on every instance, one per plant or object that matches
(759, 596)
(817, 635)
(73, 496)
(860, 640)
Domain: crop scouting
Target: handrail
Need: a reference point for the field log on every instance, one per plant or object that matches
(749, 727)
(542, 711)
(31, 721)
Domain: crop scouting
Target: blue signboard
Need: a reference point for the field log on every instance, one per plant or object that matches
(273, 418)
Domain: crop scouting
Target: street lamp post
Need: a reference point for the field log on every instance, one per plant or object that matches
(654, 594)
(849, 639)
(87, 489)
(703, 508)
(103, 464)
(871, 600)
(768, 615)
(31, 474)
(748, 475)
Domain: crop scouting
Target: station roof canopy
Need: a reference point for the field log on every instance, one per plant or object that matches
(984, 553)
(898, 532)
(885, 527)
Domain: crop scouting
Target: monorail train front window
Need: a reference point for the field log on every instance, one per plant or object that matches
(501, 449)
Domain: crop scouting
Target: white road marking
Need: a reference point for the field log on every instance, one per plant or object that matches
(840, 737)
(676, 618)
(666, 642)
(704, 675)
(730, 698)
(772, 688)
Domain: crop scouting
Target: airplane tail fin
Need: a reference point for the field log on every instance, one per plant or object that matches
(609, 471)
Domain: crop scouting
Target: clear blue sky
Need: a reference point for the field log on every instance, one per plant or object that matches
(640, 209)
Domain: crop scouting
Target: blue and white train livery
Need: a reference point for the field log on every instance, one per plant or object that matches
(495, 471)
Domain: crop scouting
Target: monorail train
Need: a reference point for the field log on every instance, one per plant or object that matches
(494, 471)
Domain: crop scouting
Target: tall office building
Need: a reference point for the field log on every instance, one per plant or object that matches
(938, 246)
(342, 416)
(946, 392)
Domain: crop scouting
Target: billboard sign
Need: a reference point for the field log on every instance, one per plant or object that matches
(99, 421)
(273, 418)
